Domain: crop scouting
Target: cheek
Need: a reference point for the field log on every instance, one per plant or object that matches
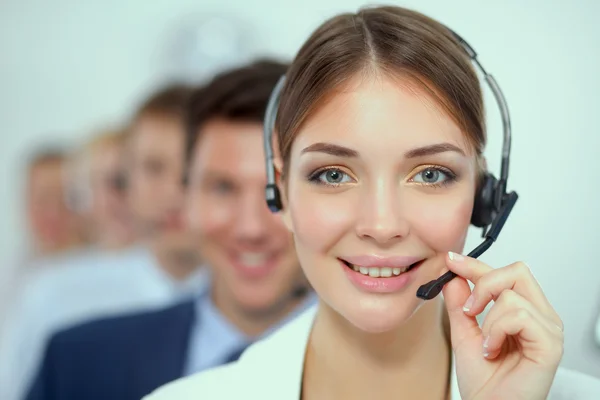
(142, 182)
(319, 220)
(137, 192)
(277, 226)
(208, 216)
(442, 223)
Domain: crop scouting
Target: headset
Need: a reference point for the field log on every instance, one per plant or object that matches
(492, 205)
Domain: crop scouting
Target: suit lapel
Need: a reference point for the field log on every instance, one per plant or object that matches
(161, 349)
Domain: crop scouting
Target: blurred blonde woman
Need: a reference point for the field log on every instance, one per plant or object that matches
(97, 191)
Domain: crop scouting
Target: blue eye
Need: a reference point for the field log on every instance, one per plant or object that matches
(434, 176)
(332, 177)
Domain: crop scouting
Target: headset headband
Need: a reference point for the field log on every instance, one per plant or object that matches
(268, 128)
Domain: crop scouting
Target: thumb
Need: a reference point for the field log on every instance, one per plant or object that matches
(462, 326)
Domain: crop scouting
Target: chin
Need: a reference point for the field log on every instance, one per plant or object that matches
(379, 313)
(257, 301)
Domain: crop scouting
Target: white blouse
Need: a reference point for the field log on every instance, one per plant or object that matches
(272, 369)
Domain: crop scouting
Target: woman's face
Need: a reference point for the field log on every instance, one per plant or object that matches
(380, 186)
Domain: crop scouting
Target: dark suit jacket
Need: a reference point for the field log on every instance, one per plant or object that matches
(122, 358)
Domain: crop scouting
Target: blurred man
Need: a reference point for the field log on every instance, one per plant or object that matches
(256, 282)
(53, 227)
(96, 191)
(161, 269)
(155, 166)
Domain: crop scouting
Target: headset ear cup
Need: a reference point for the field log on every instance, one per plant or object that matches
(483, 208)
(273, 198)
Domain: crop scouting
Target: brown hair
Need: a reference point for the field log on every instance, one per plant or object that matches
(47, 155)
(391, 40)
(105, 138)
(170, 101)
(240, 94)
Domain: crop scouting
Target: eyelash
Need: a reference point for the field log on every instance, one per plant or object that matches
(451, 177)
(313, 177)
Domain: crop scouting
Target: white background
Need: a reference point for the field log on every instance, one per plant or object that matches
(67, 67)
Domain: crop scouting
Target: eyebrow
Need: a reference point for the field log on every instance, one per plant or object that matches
(331, 149)
(341, 151)
(433, 149)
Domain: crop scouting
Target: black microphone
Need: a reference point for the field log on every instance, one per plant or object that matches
(300, 292)
(431, 289)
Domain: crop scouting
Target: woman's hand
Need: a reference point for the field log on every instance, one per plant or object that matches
(515, 353)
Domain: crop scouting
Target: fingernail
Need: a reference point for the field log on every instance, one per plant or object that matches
(469, 303)
(486, 353)
(455, 256)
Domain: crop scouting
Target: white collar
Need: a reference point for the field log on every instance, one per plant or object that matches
(288, 347)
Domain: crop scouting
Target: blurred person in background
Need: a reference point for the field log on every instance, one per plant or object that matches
(161, 268)
(53, 227)
(73, 201)
(154, 163)
(256, 282)
(97, 191)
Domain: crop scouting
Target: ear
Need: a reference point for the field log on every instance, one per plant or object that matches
(482, 163)
(281, 185)
(480, 171)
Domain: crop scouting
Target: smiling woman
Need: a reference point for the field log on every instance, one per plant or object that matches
(377, 174)
(381, 132)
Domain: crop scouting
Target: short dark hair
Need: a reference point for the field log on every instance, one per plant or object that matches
(171, 101)
(240, 95)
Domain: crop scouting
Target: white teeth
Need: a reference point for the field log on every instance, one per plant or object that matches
(376, 272)
(253, 259)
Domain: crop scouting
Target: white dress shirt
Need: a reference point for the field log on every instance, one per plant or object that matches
(76, 289)
(272, 370)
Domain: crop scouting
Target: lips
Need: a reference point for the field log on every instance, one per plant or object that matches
(395, 275)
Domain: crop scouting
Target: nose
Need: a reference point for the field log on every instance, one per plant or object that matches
(173, 192)
(252, 225)
(381, 218)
